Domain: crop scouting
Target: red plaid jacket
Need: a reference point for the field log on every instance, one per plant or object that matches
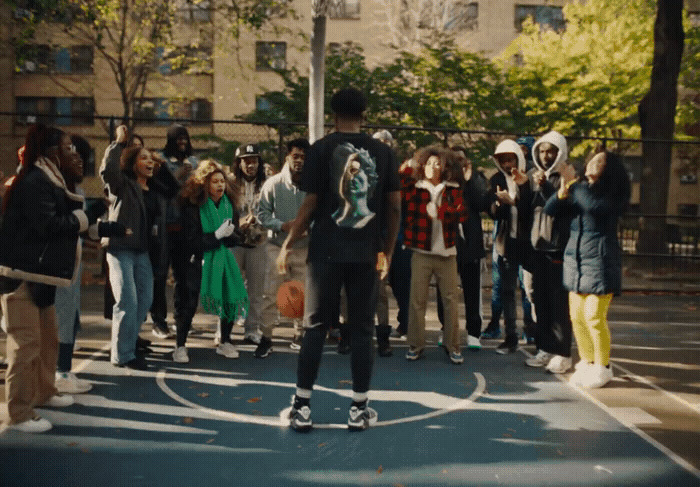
(418, 226)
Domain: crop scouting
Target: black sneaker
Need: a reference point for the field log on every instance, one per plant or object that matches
(160, 330)
(300, 419)
(143, 346)
(384, 349)
(264, 348)
(361, 419)
(343, 346)
(138, 363)
(507, 347)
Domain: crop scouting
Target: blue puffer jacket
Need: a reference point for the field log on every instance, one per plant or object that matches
(592, 258)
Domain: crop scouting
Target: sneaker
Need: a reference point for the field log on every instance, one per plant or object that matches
(160, 330)
(580, 371)
(217, 336)
(180, 355)
(296, 343)
(300, 419)
(456, 358)
(138, 363)
(489, 332)
(440, 337)
(227, 350)
(413, 354)
(252, 338)
(264, 348)
(37, 424)
(596, 376)
(528, 339)
(143, 344)
(506, 347)
(397, 334)
(59, 401)
(334, 333)
(473, 343)
(559, 364)
(361, 419)
(343, 347)
(384, 349)
(68, 383)
(541, 359)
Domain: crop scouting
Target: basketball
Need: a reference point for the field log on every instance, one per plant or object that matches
(290, 299)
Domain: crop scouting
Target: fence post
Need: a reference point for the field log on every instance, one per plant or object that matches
(111, 129)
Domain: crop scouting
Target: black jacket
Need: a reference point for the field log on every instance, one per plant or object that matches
(470, 241)
(39, 234)
(196, 242)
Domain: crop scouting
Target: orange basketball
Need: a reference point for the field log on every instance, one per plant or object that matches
(290, 299)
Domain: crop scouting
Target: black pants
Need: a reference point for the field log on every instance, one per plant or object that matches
(553, 328)
(178, 259)
(470, 277)
(322, 301)
(400, 281)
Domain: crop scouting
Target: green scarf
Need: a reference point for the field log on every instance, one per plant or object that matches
(223, 291)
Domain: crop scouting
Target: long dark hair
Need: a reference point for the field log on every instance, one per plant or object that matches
(40, 138)
(128, 160)
(614, 182)
(239, 177)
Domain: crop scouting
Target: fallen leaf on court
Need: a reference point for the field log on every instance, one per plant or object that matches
(380, 469)
(72, 443)
(511, 429)
(188, 420)
(254, 399)
(444, 470)
(507, 435)
(211, 440)
(321, 445)
(85, 450)
(344, 381)
(194, 386)
(203, 394)
(560, 453)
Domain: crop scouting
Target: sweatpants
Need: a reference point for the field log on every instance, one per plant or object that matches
(589, 320)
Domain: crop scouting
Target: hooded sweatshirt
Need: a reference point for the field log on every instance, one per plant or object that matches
(510, 146)
(557, 140)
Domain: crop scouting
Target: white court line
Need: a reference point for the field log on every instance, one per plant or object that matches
(280, 421)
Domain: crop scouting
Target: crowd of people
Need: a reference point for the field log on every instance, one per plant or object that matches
(343, 217)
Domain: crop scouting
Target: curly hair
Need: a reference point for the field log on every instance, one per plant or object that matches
(238, 177)
(128, 160)
(452, 165)
(194, 189)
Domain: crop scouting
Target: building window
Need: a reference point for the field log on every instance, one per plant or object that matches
(152, 110)
(194, 11)
(270, 56)
(688, 178)
(55, 110)
(200, 110)
(547, 17)
(686, 209)
(344, 9)
(454, 15)
(41, 58)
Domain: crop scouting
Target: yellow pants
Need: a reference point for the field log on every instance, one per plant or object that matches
(589, 321)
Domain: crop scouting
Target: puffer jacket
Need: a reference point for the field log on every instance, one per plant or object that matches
(592, 257)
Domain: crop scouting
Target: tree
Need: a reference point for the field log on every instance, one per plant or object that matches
(141, 40)
(657, 113)
(319, 8)
(587, 79)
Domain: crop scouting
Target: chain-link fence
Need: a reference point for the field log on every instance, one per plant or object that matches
(218, 139)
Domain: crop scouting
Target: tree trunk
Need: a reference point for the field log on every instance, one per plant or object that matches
(656, 116)
(316, 78)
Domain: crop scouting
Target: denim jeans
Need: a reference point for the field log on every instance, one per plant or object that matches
(497, 301)
(131, 277)
(508, 273)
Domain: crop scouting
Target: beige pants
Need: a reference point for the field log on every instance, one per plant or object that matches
(296, 271)
(32, 350)
(423, 266)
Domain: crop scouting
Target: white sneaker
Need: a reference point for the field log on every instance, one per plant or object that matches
(559, 364)
(180, 355)
(217, 336)
(253, 337)
(35, 425)
(581, 368)
(227, 350)
(540, 360)
(473, 342)
(59, 401)
(68, 383)
(596, 376)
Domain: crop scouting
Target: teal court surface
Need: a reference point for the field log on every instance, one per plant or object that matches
(216, 421)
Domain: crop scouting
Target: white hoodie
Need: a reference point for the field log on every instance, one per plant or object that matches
(510, 146)
(557, 140)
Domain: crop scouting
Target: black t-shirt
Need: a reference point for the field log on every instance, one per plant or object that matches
(351, 173)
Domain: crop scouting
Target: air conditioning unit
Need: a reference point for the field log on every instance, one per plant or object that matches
(689, 179)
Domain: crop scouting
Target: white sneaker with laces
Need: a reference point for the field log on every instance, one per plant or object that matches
(473, 342)
(227, 350)
(559, 364)
(60, 401)
(180, 355)
(68, 383)
(37, 424)
(581, 368)
(596, 376)
(540, 360)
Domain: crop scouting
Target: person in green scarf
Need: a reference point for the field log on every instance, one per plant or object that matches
(210, 226)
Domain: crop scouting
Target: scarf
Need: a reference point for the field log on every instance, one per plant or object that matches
(223, 291)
